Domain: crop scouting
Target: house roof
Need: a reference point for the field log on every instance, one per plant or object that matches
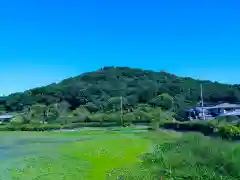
(223, 105)
(6, 116)
(233, 113)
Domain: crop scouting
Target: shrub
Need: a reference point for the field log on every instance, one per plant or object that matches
(142, 116)
(205, 128)
(3, 128)
(105, 117)
(113, 117)
(208, 128)
(73, 125)
(17, 120)
(78, 119)
(27, 127)
(129, 118)
(229, 132)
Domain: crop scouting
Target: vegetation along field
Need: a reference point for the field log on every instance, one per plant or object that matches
(120, 153)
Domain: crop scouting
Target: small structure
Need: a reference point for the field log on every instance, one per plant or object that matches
(211, 112)
(5, 118)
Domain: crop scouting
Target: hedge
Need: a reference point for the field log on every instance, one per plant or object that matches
(47, 127)
(229, 132)
(207, 128)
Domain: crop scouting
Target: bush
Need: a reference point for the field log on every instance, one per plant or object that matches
(129, 118)
(208, 128)
(78, 119)
(105, 117)
(48, 127)
(73, 125)
(9, 128)
(3, 128)
(113, 117)
(228, 120)
(89, 124)
(205, 128)
(17, 120)
(229, 132)
(98, 117)
(42, 127)
(142, 116)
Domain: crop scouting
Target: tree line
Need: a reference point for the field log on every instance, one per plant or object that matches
(100, 91)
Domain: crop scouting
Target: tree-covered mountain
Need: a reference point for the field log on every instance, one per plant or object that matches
(101, 90)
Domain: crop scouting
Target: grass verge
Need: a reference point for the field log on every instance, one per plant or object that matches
(194, 156)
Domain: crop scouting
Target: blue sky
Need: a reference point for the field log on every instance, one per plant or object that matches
(44, 41)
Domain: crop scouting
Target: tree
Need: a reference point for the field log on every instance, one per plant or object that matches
(80, 114)
(34, 114)
(80, 110)
(17, 120)
(159, 116)
(129, 118)
(97, 117)
(100, 91)
(52, 113)
(165, 101)
(144, 107)
(142, 116)
(62, 107)
(37, 111)
(114, 103)
(115, 117)
(90, 106)
(26, 118)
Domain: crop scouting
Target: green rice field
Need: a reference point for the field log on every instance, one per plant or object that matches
(116, 154)
(88, 154)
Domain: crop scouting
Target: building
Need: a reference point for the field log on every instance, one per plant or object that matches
(211, 112)
(5, 118)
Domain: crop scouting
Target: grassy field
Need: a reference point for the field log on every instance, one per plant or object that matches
(116, 153)
(95, 154)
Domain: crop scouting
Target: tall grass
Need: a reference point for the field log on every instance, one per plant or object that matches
(194, 157)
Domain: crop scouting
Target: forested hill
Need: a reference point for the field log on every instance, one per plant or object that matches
(95, 89)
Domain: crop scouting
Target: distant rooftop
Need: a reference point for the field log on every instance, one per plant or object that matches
(223, 105)
(6, 116)
(233, 113)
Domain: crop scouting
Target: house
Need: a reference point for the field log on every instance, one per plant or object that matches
(5, 118)
(211, 112)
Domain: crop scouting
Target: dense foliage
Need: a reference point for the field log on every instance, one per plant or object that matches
(218, 128)
(100, 91)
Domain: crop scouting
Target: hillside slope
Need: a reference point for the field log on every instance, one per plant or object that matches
(94, 89)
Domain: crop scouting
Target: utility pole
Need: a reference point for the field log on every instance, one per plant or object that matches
(121, 106)
(173, 108)
(201, 86)
(173, 103)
